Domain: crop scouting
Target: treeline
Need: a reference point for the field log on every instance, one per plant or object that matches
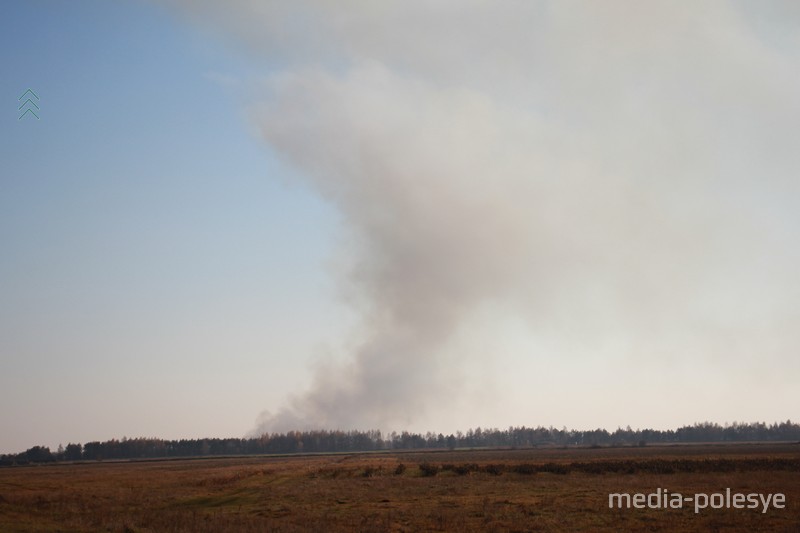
(361, 441)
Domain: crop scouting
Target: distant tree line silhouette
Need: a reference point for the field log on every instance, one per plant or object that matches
(324, 441)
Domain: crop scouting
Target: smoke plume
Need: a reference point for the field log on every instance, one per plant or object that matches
(618, 176)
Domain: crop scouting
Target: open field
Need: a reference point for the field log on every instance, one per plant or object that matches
(481, 490)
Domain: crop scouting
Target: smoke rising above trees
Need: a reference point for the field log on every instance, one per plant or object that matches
(617, 177)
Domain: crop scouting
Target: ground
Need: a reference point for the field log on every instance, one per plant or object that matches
(542, 489)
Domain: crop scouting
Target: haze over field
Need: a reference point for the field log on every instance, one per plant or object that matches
(446, 214)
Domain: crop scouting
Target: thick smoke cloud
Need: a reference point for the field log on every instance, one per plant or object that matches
(620, 175)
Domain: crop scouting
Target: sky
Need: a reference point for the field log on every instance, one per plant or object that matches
(262, 216)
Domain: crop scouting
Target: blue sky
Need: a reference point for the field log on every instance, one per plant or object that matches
(141, 223)
(240, 216)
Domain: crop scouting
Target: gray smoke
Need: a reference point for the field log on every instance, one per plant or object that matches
(620, 175)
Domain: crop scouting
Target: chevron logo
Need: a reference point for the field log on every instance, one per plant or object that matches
(29, 105)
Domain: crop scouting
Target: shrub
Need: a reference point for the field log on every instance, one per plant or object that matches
(428, 470)
(493, 469)
(555, 468)
(466, 468)
(525, 468)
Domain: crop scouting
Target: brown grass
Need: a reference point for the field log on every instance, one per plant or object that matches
(500, 490)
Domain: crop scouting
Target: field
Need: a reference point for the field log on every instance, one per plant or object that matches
(545, 489)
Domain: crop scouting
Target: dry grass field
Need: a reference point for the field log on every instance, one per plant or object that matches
(481, 490)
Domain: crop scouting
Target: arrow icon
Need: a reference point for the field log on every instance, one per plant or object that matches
(26, 92)
(28, 103)
(28, 111)
(32, 103)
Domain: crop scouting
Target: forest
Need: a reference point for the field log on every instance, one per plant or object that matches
(324, 441)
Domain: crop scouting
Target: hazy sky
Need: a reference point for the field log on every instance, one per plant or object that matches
(245, 216)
